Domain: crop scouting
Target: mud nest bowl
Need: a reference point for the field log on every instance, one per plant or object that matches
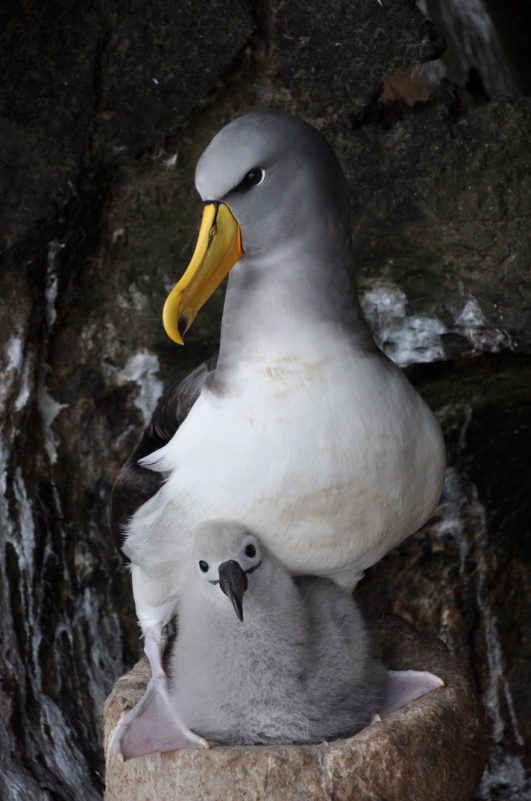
(434, 748)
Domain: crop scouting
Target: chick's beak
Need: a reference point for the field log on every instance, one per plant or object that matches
(233, 583)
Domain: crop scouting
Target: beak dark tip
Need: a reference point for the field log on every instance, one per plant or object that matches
(238, 607)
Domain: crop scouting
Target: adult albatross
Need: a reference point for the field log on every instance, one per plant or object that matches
(304, 431)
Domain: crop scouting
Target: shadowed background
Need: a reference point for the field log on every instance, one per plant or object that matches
(105, 109)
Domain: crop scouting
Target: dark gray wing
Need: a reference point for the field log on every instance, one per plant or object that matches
(135, 484)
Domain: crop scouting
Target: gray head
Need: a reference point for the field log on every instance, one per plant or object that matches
(277, 216)
(225, 555)
(274, 172)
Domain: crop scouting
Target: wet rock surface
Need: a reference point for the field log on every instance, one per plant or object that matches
(350, 42)
(98, 222)
(447, 194)
(90, 87)
(435, 745)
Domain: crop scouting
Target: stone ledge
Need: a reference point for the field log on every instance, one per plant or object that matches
(434, 748)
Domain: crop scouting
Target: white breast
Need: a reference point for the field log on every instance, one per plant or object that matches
(331, 463)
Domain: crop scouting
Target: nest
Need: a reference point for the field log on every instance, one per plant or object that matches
(434, 748)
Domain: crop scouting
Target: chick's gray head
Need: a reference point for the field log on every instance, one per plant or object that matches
(224, 555)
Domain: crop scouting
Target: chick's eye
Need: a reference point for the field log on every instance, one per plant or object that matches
(203, 566)
(250, 551)
(254, 177)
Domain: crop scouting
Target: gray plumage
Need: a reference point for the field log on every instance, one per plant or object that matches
(299, 669)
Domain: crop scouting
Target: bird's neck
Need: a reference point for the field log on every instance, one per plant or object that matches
(295, 310)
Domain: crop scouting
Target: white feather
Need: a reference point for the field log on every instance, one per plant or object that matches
(312, 457)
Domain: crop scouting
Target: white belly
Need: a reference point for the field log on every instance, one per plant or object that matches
(331, 465)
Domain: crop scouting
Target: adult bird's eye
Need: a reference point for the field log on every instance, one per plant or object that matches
(203, 566)
(254, 177)
(250, 551)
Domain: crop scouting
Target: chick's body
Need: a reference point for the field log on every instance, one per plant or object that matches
(298, 669)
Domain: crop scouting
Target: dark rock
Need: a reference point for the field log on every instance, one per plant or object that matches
(440, 214)
(487, 49)
(87, 85)
(159, 63)
(334, 58)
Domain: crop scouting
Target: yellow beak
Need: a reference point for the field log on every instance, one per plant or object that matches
(219, 246)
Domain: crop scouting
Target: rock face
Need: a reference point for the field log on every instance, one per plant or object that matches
(104, 112)
(434, 747)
